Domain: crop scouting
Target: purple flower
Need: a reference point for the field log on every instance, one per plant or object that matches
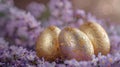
(36, 9)
(3, 43)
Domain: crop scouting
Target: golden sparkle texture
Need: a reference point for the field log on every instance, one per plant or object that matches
(72, 43)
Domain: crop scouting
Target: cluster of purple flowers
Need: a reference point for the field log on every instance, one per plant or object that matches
(19, 30)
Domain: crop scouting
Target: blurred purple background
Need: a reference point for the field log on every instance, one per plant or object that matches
(105, 9)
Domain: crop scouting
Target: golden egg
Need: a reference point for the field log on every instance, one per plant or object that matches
(47, 45)
(74, 44)
(98, 37)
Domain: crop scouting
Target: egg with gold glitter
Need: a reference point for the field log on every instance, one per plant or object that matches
(98, 37)
(47, 45)
(74, 44)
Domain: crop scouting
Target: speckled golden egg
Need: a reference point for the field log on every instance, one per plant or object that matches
(98, 37)
(74, 44)
(47, 45)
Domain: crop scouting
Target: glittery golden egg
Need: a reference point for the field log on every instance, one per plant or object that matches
(47, 45)
(98, 37)
(74, 44)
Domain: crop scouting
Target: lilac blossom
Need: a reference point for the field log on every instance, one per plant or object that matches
(36, 9)
(23, 27)
(62, 10)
